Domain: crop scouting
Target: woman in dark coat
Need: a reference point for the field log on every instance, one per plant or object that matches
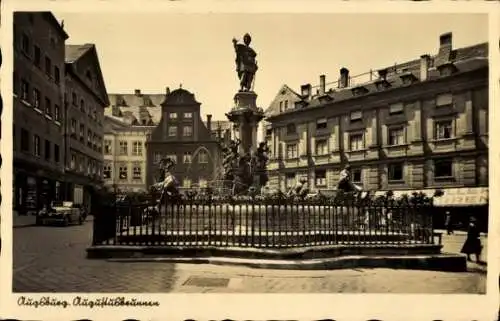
(472, 244)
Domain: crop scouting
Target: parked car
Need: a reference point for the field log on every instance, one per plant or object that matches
(64, 213)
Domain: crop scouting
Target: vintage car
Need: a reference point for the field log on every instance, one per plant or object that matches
(64, 213)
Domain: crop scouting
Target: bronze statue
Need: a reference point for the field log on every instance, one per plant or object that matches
(246, 65)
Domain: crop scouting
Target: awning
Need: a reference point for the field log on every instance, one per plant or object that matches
(465, 196)
(452, 197)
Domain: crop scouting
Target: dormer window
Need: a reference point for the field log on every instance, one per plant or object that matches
(447, 69)
(408, 78)
(358, 91)
(356, 116)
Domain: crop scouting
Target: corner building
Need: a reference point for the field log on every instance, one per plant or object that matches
(38, 124)
(419, 125)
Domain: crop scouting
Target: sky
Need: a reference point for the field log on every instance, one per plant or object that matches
(150, 51)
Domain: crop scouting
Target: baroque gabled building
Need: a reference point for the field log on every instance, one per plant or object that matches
(182, 136)
(85, 100)
(419, 125)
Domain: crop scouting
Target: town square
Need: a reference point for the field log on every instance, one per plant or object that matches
(239, 160)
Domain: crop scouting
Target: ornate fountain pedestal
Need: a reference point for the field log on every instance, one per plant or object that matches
(245, 115)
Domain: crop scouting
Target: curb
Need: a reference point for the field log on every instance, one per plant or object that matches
(441, 262)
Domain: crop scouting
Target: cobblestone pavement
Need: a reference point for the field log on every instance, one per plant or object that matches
(52, 259)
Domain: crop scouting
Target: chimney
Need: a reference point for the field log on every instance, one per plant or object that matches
(424, 67)
(137, 92)
(322, 84)
(209, 122)
(382, 74)
(167, 91)
(445, 48)
(305, 91)
(344, 78)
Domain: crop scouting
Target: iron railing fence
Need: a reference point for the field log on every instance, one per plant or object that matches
(270, 223)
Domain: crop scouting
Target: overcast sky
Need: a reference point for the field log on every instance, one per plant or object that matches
(152, 51)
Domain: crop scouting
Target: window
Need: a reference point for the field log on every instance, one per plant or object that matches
(123, 148)
(187, 157)
(396, 136)
(396, 109)
(56, 153)
(36, 145)
(286, 104)
(291, 151)
(81, 164)
(172, 115)
(172, 131)
(123, 172)
(443, 168)
(186, 183)
(73, 126)
(48, 66)
(82, 132)
(89, 138)
(73, 162)
(203, 157)
(202, 183)
(15, 83)
(25, 44)
(136, 172)
(157, 157)
(57, 113)
(187, 131)
(82, 105)
(107, 147)
(289, 180)
(291, 129)
(356, 175)
(322, 147)
(356, 142)
(321, 123)
(36, 98)
(356, 116)
(444, 100)
(443, 129)
(48, 106)
(25, 87)
(57, 75)
(281, 106)
(107, 172)
(25, 140)
(320, 178)
(172, 157)
(137, 148)
(188, 115)
(396, 172)
(37, 58)
(74, 99)
(47, 150)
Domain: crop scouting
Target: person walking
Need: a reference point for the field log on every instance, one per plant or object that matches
(472, 244)
(448, 224)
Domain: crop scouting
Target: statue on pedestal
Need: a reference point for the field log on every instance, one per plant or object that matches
(246, 65)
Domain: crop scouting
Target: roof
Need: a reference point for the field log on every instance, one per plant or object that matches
(59, 27)
(132, 107)
(465, 60)
(180, 96)
(74, 52)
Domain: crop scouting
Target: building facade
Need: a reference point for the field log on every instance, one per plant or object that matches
(182, 136)
(38, 126)
(129, 121)
(85, 100)
(418, 125)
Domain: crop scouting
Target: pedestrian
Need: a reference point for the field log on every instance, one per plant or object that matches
(448, 224)
(472, 244)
